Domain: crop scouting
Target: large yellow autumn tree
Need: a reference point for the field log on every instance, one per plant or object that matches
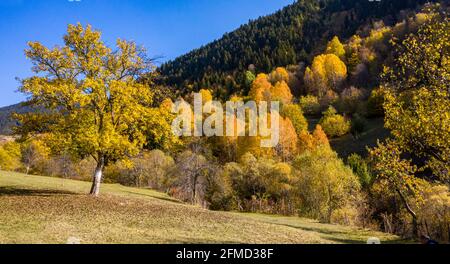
(263, 90)
(417, 106)
(95, 106)
(261, 87)
(327, 72)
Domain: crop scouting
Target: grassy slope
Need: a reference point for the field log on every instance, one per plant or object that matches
(348, 144)
(50, 210)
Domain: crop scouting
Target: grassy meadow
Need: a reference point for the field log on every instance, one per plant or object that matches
(36, 209)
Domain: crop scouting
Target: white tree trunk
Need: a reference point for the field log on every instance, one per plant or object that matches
(96, 181)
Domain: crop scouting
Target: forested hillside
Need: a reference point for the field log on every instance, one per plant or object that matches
(290, 36)
(6, 120)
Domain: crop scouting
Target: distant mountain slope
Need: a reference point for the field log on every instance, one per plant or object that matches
(289, 36)
(6, 122)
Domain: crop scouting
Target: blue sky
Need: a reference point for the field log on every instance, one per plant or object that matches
(167, 28)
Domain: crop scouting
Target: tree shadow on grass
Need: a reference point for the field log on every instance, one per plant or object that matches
(359, 242)
(344, 236)
(14, 191)
(167, 199)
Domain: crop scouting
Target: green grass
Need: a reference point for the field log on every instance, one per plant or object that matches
(36, 209)
(347, 145)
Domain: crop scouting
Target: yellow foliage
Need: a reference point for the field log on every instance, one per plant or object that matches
(320, 137)
(252, 145)
(295, 114)
(97, 105)
(236, 98)
(378, 38)
(334, 124)
(287, 147)
(325, 185)
(335, 47)
(281, 92)
(310, 105)
(279, 74)
(167, 104)
(10, 156)
(260, 89)
(263, 90)
(206, 95)
(35, 154)
(326, 73)
(416, 96)
(306, 142)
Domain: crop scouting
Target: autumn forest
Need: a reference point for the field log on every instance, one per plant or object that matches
(364, 125)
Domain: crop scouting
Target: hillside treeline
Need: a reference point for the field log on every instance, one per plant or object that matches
(291, 36)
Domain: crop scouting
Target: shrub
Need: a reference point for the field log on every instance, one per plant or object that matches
(334, 124)
(189, 177)
(324, 184)
(350, 100)
(35, 156)
(295, 114)
(310, 105)
(261, 185)
(361, 169)
(359, 124)
(218, 192)
(375, 103)
(435, 213)
(148, 170)
(347, 215)
(10, 156)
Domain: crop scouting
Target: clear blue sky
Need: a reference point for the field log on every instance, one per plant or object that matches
(167, 28)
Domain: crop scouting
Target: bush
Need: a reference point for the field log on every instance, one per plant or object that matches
(324, 185)
(10, 156)
(218, 192)
(261, 185)
(347, 215)
(310, 105)
(435, 213)
(35, 155)
(295, 114)
(148, 170)
(359, 124)
(334, 124)
(361, 169)
(350, 100)
(375, 104)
